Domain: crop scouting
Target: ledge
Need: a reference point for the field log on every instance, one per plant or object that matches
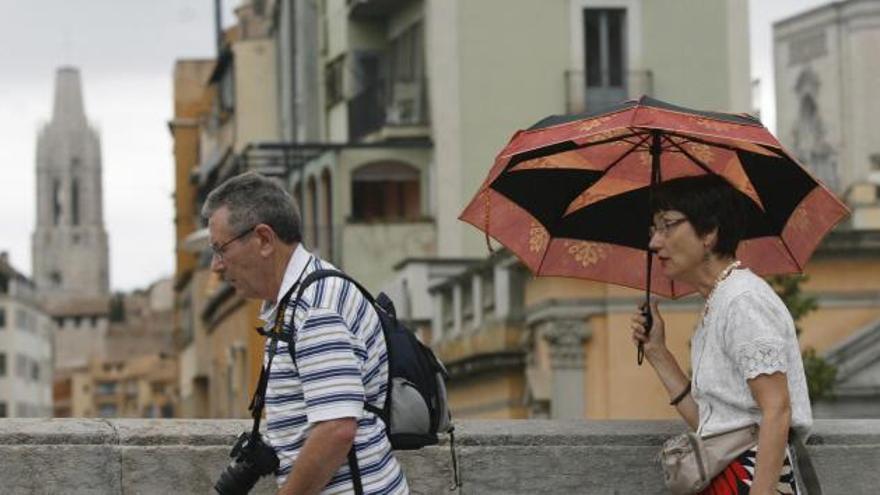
(98, 456)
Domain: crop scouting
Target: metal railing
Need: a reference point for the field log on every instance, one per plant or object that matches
(579, 97)
(382, 104)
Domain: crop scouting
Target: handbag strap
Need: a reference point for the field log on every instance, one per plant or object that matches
(805, 467)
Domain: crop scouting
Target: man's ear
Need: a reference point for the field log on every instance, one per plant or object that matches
(267, 239)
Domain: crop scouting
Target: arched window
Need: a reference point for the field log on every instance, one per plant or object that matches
(326, 215)
(310, 216)
(298, 196)
(385, 191)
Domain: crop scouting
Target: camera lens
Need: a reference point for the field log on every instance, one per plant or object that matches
(238, 479)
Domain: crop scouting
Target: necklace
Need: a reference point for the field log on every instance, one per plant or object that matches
(721, 276)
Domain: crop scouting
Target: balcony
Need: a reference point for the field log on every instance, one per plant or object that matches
(393, 111)
(579, 97)
(374, 9)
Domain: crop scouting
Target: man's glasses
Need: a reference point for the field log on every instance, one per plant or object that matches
(219, 250)
(665, 226)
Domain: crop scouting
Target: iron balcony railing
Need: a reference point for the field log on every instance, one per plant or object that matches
(580, 97)
(382, 104)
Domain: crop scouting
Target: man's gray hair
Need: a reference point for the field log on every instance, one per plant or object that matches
(254, 199)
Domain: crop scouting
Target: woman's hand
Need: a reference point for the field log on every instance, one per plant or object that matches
(655, 340)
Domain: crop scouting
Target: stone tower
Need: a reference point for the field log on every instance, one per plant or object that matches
(69, 244)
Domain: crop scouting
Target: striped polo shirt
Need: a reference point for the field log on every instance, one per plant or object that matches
(341, 361)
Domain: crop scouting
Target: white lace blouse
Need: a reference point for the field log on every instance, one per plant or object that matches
(747, 332)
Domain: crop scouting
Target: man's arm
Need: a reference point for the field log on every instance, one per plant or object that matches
(324, 452)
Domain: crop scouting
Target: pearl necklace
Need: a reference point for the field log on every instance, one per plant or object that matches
(721, 276)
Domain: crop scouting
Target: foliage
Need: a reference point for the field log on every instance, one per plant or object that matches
(788, 287)
(820, 373)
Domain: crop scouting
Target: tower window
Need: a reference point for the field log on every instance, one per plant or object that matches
(74, 201)
(56, 201)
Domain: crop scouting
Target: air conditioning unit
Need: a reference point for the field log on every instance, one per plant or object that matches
(405, 105)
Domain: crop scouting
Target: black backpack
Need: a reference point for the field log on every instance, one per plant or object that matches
(415, 409)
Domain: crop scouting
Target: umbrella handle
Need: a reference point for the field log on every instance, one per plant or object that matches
(649, 322)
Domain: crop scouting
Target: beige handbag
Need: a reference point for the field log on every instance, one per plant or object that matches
(690, 462)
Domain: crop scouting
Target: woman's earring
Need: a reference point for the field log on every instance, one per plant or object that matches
(706, 253)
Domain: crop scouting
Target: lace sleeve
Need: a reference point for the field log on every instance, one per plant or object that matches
(756, 335)
(763, 356)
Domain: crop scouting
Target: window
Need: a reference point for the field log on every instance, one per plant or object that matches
(326, 215)
(2, 364)
(23, 320)
(55, 278)
(107, 410)
(385, 191)
(333, 80)
(226, 89)
(407, 102)
(312, 208)
(3, 413)
(604, 52)
(56, 201)
(74, 201)
(106, 388)
(2, 318)
(21, 366)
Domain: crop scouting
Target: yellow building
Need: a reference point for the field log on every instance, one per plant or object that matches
(140, 387)
(518, 346)
(220, 107)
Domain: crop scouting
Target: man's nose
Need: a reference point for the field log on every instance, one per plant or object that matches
(216, 263)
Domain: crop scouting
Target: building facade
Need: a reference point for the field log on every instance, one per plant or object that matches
(221, 107)
(826, 68)
(138, 377)
(387, 115)
(25, 347)
(827, 71)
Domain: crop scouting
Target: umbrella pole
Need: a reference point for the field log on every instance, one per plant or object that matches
(649, 258)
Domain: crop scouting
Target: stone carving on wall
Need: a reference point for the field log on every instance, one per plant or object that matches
(810, 141)
(566, 341)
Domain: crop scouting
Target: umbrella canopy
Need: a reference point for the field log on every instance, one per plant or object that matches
(570, 195)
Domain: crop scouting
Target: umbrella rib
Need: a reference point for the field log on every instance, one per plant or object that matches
(793, 257)
(690, 156)
(710, 143)
(611, 139)
(628, 152)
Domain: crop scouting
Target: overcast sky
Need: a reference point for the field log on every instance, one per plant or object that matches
(125, 50)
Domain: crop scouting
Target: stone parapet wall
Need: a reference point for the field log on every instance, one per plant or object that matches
(95, 456)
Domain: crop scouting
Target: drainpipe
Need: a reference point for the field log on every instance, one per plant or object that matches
(218, 25)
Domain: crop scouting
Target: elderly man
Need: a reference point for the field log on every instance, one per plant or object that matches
(314, 407)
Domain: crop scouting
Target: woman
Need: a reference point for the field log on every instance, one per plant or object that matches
(745, 358)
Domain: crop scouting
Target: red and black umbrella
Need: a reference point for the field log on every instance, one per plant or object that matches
(570, 196)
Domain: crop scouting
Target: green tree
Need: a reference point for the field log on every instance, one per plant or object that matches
(820, 373)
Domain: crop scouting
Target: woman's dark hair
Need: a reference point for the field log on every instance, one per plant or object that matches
(708, 202)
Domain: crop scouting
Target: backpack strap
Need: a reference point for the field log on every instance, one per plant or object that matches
(310, 279)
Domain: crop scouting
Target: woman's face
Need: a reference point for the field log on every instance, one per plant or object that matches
(679, 248)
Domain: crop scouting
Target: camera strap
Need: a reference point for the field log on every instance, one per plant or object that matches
(258, 401)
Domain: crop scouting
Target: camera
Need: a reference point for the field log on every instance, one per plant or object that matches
(251, 459)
